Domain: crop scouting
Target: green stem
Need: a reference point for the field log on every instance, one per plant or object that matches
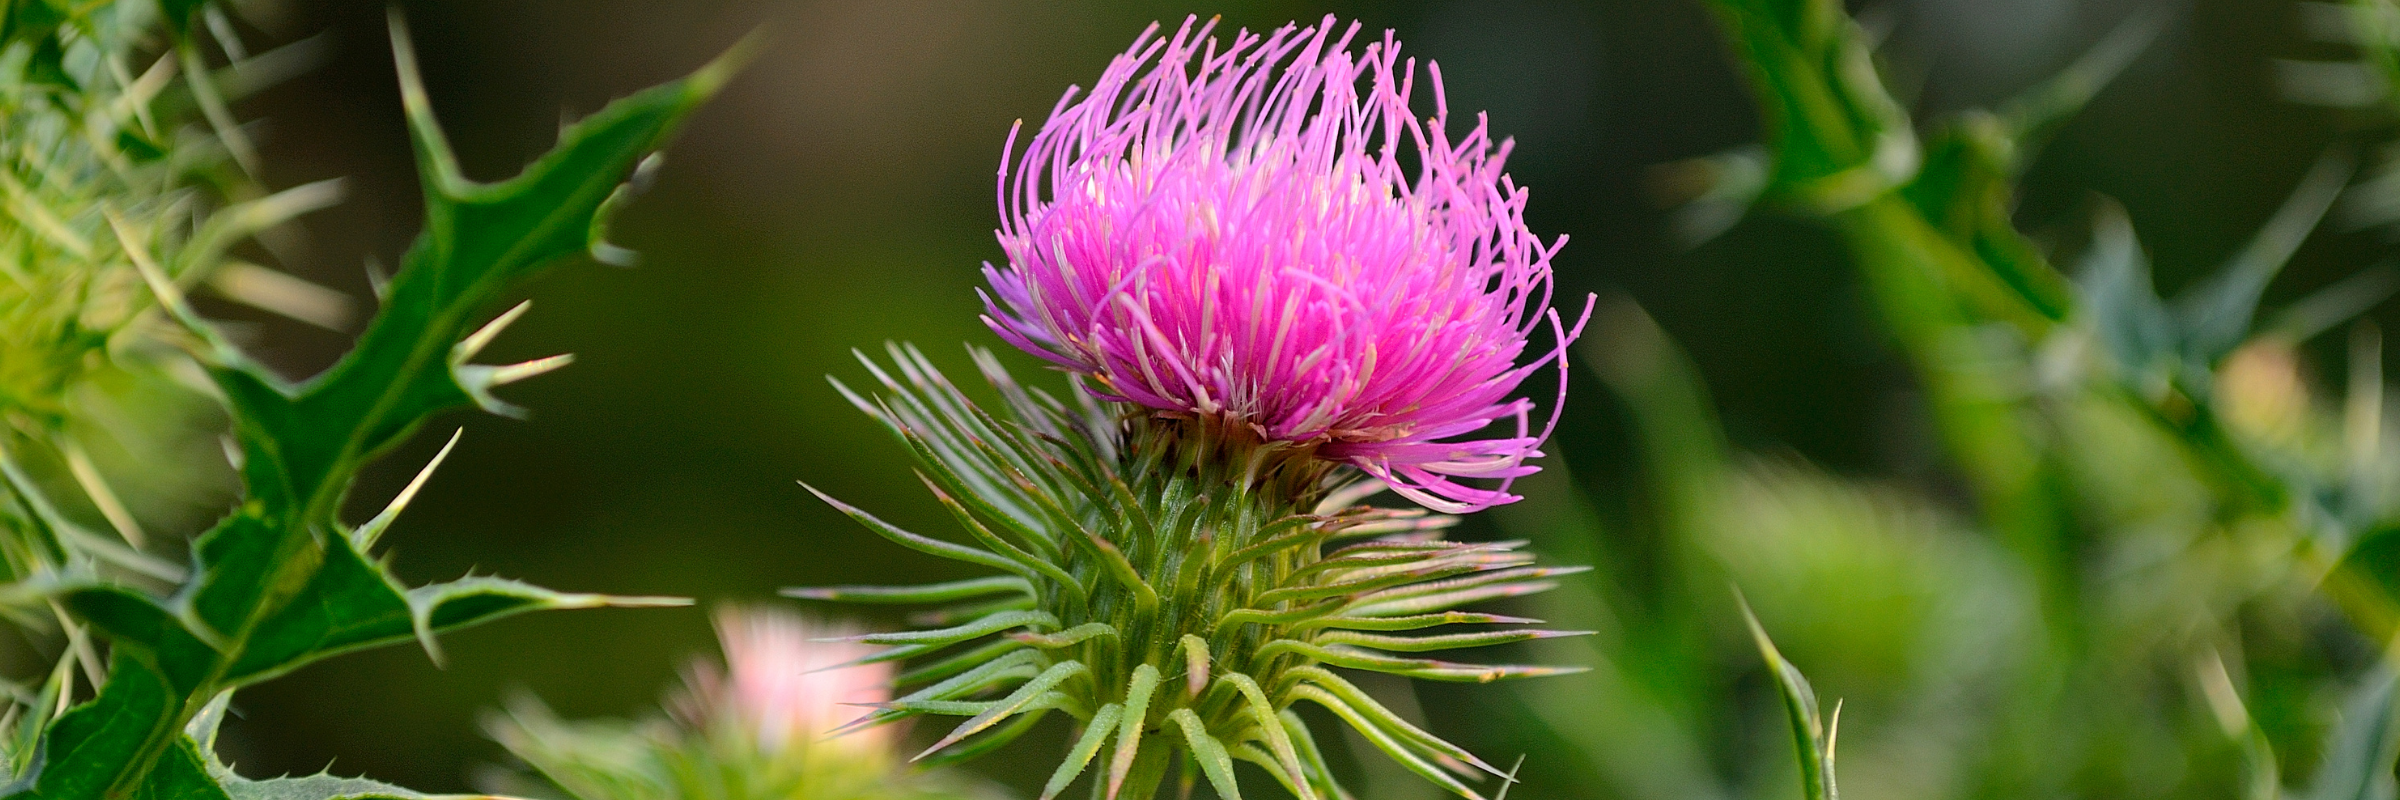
(1970, 388)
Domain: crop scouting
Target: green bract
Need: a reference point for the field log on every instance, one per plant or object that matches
(1174, 586)
(96, 235)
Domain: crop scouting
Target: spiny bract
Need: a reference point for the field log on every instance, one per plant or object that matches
(1175, 586)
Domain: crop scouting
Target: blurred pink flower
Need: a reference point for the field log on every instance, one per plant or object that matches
(1238, 231)
(775, 684)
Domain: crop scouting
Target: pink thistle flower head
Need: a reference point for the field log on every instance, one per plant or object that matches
(784, 686)
(1264, 233)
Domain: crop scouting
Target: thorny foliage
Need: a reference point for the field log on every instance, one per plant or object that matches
(115, 203)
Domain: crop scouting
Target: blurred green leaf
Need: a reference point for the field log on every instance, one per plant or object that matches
(1838, 137)
(1967, 189)
(1811, 732)
(2365, 743)
(2125, 310)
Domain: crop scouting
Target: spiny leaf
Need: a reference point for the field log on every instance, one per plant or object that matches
(87, 751)
(276, 584)
(142, 628)
(2132, 322)
(303, 444)
(321, 787)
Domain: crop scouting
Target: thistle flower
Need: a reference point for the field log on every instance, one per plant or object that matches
(1246, 232)
(781, 688)
(1269, 322)
(757, 728)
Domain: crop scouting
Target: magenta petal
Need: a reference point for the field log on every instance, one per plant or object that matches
(1265, 230)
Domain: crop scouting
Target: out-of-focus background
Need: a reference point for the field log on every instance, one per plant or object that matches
(839, 195)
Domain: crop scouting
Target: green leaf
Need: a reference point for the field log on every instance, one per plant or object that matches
(318, 787)
(141, 629)
(98, 748)
(2361, 752)
(280, 583)
(1813, 734)
(2117, 292)
(1966, 188)
(1839, 138)
(304, 443)
(182, 773)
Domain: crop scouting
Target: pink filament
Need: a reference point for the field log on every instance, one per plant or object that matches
(1240, 231)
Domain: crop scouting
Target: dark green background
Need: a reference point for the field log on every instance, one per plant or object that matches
(840, 194)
